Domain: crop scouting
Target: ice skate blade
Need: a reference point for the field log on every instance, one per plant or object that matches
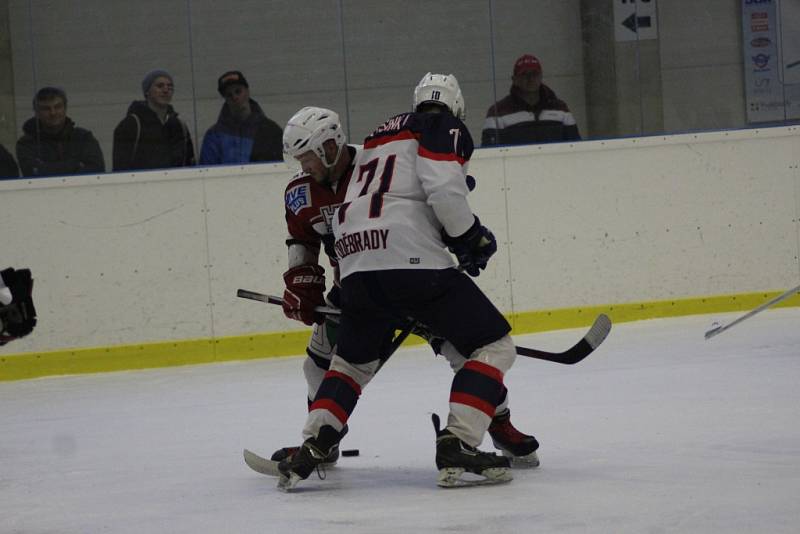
(287, 484)
(451, 477)
(529, 461)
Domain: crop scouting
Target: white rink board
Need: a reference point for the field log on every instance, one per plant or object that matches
(158, 256)
(687, 216)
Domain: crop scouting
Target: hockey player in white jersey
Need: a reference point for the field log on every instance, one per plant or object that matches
(405, 206)
(17, 314)
(314, 139)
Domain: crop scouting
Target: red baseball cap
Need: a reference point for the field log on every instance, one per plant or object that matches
(527, 63)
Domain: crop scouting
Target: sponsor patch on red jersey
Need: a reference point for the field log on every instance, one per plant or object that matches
(297, 198)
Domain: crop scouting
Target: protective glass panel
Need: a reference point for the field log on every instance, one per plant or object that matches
(584, 69)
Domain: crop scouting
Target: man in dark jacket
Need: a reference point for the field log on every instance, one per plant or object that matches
(531, 113)
(52, 145)
(8, 165)
(242, 132)
(152, 136)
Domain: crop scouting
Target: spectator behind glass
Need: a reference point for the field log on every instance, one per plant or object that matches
(242, 132)
(51, 144)
(152, 136)
(531, 113)
(8, 165)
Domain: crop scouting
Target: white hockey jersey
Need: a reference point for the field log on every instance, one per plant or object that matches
(408, 183)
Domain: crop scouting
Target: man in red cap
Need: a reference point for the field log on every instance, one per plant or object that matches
(531, 113)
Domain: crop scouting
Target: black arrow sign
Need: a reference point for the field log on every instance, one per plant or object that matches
(633, 23)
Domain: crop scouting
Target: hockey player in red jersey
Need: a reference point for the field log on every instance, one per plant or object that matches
(313, 138)
(406, 205)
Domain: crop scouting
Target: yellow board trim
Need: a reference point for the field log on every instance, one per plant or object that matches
(275, 344)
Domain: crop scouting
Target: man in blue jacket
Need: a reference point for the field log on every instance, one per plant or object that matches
(242, 132)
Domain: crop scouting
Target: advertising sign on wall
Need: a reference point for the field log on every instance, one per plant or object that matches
(771, 31)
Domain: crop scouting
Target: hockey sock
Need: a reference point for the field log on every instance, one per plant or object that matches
(477, 388)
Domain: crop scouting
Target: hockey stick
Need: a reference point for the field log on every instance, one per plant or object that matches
(587, 344)
(719, 329)
(272, 299)
(328, 310)
(580, 350)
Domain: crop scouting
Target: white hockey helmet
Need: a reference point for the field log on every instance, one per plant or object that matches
(307, 130)
(440, 89)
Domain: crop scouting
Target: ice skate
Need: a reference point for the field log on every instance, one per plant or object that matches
(287, 453)
(310, 456)
(519, 448)
(454, 458)
(330, 460)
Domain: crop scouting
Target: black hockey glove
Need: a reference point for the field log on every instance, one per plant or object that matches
(473, 248)
(471, 182)
(18, 318)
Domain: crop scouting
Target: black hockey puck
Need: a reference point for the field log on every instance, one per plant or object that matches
(351, 452)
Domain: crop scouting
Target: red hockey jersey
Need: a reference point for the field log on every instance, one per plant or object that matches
(310, 207)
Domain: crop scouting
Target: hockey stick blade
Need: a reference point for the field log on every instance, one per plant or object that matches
(593, 338)
(273, 299)
(783, 296)
(261, 465)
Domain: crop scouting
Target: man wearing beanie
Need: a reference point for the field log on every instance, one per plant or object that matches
(152, 136)
(51, 144)
(242, 132)
(531, 113)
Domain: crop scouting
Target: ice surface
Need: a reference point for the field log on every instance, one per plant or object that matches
(657, 431)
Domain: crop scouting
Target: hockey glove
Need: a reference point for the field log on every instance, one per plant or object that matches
(471, 183)
(305, 288)
(473, 248)
(18, 318)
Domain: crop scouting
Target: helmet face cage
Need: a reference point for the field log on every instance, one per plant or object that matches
(440, 89)
(308, 130)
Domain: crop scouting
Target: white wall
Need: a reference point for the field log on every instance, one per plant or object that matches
(702, 74)
(158, 256)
